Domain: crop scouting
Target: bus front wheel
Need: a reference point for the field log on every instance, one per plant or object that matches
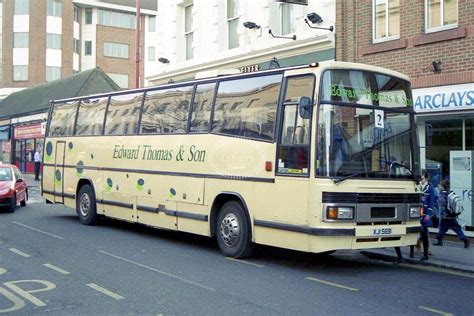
(86, 206)
(233, 231)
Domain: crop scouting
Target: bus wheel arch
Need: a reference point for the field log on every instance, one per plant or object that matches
(229, 208)
(86, 205)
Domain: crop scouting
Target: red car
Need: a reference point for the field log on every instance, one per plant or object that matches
(13, 187)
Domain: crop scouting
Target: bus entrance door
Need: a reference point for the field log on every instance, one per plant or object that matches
(59, 172)
(293, 153)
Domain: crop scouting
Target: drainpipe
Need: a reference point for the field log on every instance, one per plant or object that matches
(137, 48)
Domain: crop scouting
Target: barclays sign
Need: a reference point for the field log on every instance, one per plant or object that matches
(444, 98)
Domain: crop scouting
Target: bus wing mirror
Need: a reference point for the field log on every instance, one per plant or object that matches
(305, 107)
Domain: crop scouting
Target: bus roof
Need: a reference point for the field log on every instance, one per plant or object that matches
(360, 66)
(320, 65)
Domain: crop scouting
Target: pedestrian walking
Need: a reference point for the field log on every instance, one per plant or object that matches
(37, 159)
(399, 255)
(448, 218)
(427, 200)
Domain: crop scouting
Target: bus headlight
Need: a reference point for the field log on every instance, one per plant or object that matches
(415, 211)
(340, 212)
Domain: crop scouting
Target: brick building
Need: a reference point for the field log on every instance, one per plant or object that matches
(432, 41)
(47, 40)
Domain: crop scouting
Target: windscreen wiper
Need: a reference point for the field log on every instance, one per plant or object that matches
(394, 163)
(338, 180)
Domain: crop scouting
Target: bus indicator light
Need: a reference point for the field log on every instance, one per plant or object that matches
(268, 166)
(332, 212)
(340, 212)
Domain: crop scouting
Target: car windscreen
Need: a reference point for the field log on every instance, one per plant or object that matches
(6, 174)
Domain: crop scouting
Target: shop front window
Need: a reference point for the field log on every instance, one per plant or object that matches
(442, 136)
(469, 125)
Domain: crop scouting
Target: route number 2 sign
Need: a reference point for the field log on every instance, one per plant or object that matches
(379, 117)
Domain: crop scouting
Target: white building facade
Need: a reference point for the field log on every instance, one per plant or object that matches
(206, 35)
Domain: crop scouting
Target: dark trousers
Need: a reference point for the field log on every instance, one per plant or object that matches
(37, 169)
(446, 224)
(424, 237)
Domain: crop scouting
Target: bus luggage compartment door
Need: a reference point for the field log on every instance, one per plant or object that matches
(59, 172)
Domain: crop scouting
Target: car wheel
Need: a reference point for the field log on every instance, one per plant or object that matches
(23, 203)
(11, 208)
(233, 231)
(86, 206)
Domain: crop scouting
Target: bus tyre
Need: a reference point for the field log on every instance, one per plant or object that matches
(86, 206)
(233, 231)
(11, 208)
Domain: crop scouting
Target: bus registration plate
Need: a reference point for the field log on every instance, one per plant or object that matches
(381, 231)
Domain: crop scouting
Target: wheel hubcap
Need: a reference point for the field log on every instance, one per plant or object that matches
(230, 230)
(84, 204)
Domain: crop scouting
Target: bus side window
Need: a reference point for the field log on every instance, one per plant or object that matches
(247, 107)
(202, 108)
(122, 114)
(166, 111)
(62, 119)
(90, 120)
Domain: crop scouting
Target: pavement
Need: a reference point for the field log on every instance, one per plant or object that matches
(452, 255)
(30, 179)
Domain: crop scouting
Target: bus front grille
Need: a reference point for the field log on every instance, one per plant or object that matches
(382, 212)
(371, 198)
(378, 223)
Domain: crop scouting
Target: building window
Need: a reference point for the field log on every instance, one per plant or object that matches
(88, 16)
(22, 7)
(151, 24)
(53, 73)
(76, 45)
(55, 8)
(442, 136)
(120, 79)
(116, 50)
(286, 16)
(88, 48)
(386, 20)
(188, 30)
(53, 41)
(151, 53)
(20, 73)
(233, 23)
(77, 14)
(117, 19)
(440, 14)
(20, 39)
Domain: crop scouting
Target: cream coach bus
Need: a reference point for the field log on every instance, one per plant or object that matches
(315, 158)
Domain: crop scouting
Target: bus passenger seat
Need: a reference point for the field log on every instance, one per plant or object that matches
(301, 135)
(267, 130)
(288, 137)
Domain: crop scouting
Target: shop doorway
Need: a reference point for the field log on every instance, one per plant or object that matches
(24, 153)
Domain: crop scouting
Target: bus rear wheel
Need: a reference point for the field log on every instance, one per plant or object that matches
(233, 231)
(86, 206)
